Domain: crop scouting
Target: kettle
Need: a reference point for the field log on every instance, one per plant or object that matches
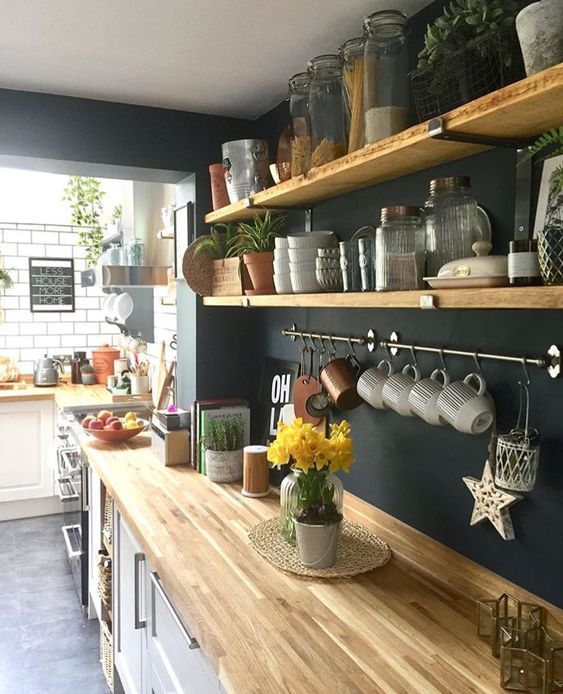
(47, 372)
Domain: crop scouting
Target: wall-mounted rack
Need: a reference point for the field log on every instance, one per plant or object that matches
(368, 341)
(551, 361)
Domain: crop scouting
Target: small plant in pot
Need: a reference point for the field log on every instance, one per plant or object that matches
(223, 441)
(255, 242)
(220, 246)
(87, 375)
(317, 519)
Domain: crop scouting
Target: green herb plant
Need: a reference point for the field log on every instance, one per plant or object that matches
(258, 236)
(85, 197)
(316, 498)
(221, 244)
(224, 434)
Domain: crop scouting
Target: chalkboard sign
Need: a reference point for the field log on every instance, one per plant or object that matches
(51, 285)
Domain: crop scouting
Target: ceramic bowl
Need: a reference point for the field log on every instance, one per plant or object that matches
(281, 254)
(281, 266)
(114, 436)
(328, 252)
(327, 264)
(299, 255)
(306, 266)
(304, 282)
(282, 283)
(329, 279)
(312, 239)
(280, 242)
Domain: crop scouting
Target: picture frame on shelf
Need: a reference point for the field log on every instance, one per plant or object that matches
(550, 195)
(184, 234)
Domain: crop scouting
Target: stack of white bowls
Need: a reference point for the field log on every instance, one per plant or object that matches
(302, 258)
(282, 280)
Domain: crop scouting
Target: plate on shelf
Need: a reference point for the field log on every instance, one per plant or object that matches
(467, 282)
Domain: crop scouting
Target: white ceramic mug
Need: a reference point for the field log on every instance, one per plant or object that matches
(397, 388)
(468, 408)
(423, 398)
(139, 384)
(371, 382)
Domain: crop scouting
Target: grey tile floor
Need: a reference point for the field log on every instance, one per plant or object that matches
(47, 646)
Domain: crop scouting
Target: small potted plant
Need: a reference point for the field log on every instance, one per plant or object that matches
(317, 516)
(225, 263)
(255, 243)
(87, 375)
(223, 441)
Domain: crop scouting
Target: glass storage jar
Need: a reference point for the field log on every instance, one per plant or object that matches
(386, 67)
(352, 54)
(325, 109)
(135, 252)
(300, 123)
(399, 249)
(114, 255)
(451, 222)
(289, 501)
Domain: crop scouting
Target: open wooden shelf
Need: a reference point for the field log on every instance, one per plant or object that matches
(521, 110)
(497, 298)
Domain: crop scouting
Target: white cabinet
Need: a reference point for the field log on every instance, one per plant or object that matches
(28, 450)
(129, 605)
(94, 542)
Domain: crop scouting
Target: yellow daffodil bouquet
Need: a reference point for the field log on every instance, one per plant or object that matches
(315, 455)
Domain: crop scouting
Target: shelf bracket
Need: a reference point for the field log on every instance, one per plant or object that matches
(438, 130)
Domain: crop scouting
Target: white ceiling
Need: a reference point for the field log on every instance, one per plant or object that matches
(227, 57)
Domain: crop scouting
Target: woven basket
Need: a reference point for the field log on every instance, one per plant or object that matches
(106, 653)
(104, 578)
(107, 529)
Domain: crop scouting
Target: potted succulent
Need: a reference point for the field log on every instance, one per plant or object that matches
(316, 508)
(223, 441)
(540, 32)
(87, 375)
(225, 263)
(255, 243)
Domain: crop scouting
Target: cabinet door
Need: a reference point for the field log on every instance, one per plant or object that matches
(128, 607)
(94, 542)
(28, 448)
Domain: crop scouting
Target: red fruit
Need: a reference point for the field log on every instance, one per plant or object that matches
(86, 421)
(109, 420)
(104, 415)
(116, 426)
(96, 424)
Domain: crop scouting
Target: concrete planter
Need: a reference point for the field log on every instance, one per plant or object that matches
(88, 379)
(317, 544)
(540, 32)
(223, 466)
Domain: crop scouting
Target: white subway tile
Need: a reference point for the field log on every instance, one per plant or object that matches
(24, 302)
(26, 367)
(73, 317)
(23, 276)
(33, 328)
(19, 262)
(89, 328)
(58, 251)
(19, 341)
(47, 316)
(32, 354)
(67, 238)
(17, 289)
(60, 328)
(9, 302)
(11, 353)
(79, 291)
(31, 250)
(17, 236)
(79, 266)
(9, 328)
(2, 342)
(96, 316)
(79, 251)
(47, 341)
(9, 248)
(18, 316)
(98, 340)
(87, 302)
(74, 341)
(9, 225)
(32, 226)
(45, 237)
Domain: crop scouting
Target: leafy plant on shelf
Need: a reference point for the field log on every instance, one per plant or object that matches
(316, 456)
(221, 244)
(224, 434)
(85, 196)
(258, 236)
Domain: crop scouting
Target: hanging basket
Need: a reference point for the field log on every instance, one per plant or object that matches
(518, 453)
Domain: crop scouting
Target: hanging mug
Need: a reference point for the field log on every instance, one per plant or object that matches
(423, 398)
(397, 388)
(466, 405)
(371, 382)
(339, 378)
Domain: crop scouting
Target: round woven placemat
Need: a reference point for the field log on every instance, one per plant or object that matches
(196, 267)
(359, 550)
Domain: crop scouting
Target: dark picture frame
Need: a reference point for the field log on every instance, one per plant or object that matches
(51, 285)
(183, 234)
(274, 395)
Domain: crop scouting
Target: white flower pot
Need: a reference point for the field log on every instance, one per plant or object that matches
(223, 466)
(540, 32)
(317, 544)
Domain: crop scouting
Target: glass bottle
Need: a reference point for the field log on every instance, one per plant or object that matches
(325, 109)
(352, 54)
(300, 123)
(386, 67)
(289, 501)
(114, 254)
(135, 252)
(399, 249)
(451, 222)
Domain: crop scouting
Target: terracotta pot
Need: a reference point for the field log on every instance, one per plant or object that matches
(102, 361)
(219, 195)
(260, 267)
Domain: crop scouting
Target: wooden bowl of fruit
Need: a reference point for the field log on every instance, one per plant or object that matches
(106, 427)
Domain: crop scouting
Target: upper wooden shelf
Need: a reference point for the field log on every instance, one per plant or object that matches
(497, 298)
(520, 111)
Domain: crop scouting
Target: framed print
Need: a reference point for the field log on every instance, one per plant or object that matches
(550, 197)
(276, 390)
(51, 285)
(183, 234)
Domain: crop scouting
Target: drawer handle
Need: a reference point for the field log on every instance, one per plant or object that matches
(67, 529)
(157, 585)
(139, 623)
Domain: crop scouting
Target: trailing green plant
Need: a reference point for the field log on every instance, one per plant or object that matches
(316, 498)
(222, 244)
(117, 213)
(552, 139)
(85, 196)
(258, 236)
(224, 434)
(5, 279)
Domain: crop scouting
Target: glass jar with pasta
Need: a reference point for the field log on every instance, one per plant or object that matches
(352, 53)
(325, 109)
(300, 123)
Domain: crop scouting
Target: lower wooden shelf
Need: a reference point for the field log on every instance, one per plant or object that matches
(497, 298)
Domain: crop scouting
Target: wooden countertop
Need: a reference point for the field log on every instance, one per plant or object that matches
(65, 394)
(396, 629)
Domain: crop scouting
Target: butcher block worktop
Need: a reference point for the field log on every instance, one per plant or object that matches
(406, 627)
(65, 394)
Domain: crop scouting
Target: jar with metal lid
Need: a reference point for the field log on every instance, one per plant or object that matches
(325, 109)
(300, 123)
(452, 225)
(399, 249)
(352, 54)
(386, 66)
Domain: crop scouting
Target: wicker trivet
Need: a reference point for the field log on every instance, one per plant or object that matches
(196, 267)
(359, 550)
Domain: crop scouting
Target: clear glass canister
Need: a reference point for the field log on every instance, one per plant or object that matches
(352, 54)
(325, 109)
(135, 252)
(451, 222)
(386, 67)
(289, 501)
(114, 255)
(300, 123)
(399, 249)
